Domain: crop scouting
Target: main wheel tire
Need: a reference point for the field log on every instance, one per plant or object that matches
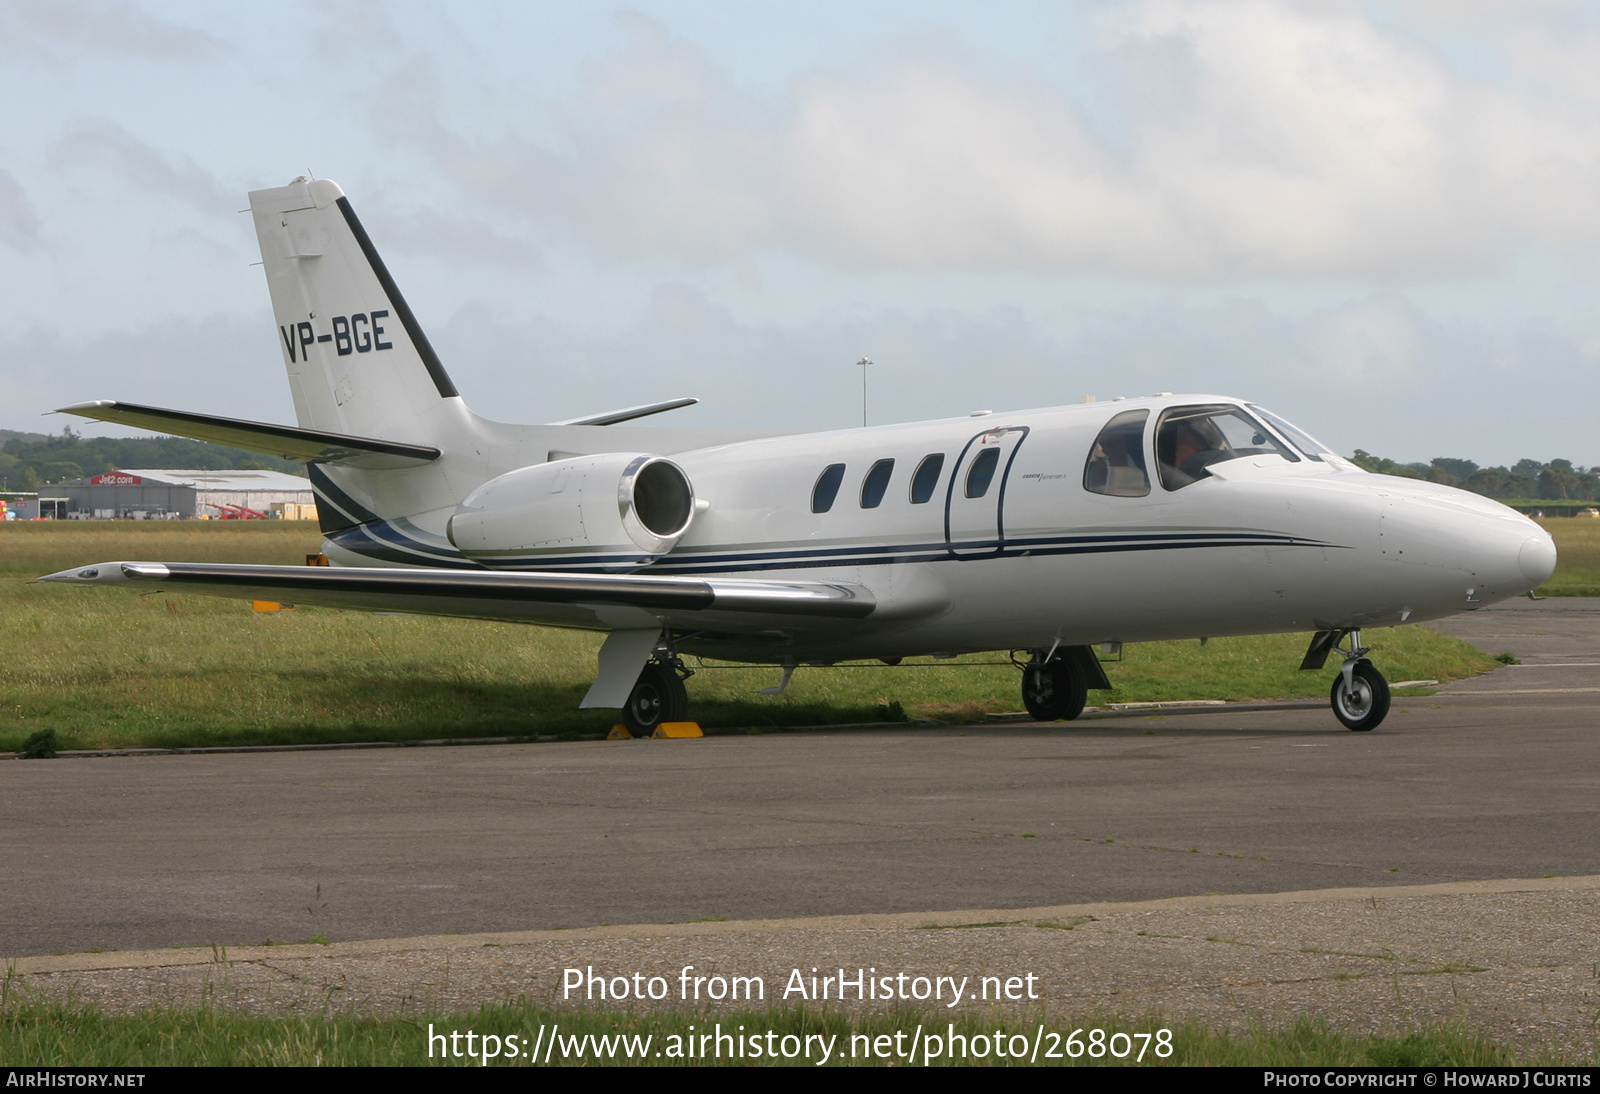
(1054, 690)
(1365, 703)
(678, 708)
(658, 696)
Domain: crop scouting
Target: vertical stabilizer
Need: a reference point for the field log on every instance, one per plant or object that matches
(358, 362)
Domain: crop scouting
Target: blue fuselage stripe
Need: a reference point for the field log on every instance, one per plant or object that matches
(384, 540)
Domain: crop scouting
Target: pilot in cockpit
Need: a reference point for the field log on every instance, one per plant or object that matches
(1190, 439)
(1186, 450)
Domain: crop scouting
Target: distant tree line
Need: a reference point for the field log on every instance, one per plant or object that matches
(1556, 480)
(31, 460)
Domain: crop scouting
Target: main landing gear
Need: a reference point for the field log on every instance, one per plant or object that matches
(1360, 694)
(658, 696)
(1056, 682)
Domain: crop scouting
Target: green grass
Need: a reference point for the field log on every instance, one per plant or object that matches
(109, 668)
(36, 1034)
(1549, 505)
(31, 548)
(1577, 557)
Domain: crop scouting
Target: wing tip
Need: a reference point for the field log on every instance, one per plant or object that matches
(102, 573)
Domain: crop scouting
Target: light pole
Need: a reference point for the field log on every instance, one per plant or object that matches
(862, 364)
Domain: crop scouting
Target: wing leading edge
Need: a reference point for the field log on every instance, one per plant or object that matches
(580, 600)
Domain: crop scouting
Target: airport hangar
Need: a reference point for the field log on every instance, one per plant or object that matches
(170, 494)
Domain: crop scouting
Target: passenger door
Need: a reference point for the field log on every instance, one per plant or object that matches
(974, 508)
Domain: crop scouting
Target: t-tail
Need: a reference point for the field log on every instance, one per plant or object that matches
(360, 364)
(358, 361)
(391, 448)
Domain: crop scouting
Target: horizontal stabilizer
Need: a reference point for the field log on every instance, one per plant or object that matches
(529, 597)
(289, 442)
(628, 414)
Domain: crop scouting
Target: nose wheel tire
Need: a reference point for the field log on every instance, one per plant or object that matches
(1054, 690)
(658, 696)
(1363, 704)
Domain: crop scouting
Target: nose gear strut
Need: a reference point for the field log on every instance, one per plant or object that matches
(1360, 694)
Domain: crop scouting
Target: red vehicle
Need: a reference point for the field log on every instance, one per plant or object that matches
(237, 512)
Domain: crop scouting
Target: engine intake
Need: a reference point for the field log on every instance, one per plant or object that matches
(621, 509)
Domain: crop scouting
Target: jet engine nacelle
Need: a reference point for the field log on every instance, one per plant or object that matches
(627, 504)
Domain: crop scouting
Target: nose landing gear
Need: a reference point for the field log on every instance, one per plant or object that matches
(1360, 694)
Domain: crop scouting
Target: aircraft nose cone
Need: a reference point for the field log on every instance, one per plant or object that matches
(1538, 558)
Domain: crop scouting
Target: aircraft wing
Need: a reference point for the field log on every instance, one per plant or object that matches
(600, 601)
(309, 445)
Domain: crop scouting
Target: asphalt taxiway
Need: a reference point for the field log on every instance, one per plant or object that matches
(1494, 777)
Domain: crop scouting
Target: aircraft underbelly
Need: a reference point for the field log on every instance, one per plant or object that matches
(1141, 596)
(1270, 569)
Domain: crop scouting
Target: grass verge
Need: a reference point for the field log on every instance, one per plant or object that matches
(106, 668)
(47, 1034)
(1577, 557)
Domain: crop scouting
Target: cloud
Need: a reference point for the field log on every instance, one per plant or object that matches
(459, 239)
(331, 38)
(1254, 139)
(217, 364)
(66, 30)
(19, 224)
(101, 143)
(1376, 343)
(1375, 371)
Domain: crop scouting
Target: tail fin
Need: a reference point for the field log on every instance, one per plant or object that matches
(358, 362)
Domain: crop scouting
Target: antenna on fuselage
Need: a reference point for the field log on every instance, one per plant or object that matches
(862, 364)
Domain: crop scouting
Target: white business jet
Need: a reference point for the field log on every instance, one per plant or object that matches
(1043, 532)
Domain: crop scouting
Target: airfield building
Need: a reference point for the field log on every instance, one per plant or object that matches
(169, 494)
(19, 504)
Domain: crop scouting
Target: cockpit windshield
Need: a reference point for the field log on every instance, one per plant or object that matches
(1190, 439)
(1313, 448)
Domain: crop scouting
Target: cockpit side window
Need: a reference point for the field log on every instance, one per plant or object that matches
(1190, 439)
(1116, 462)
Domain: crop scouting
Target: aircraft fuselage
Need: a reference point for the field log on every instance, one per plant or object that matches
(1261, 543)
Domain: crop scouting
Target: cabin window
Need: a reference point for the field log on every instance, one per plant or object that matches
(1116, 462)
(1313, 448)
(926, 478)
(827, 488)
(876, 482)
(981, 473)
(1190, 439)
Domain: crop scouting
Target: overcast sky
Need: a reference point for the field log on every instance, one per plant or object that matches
(1382, 221)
